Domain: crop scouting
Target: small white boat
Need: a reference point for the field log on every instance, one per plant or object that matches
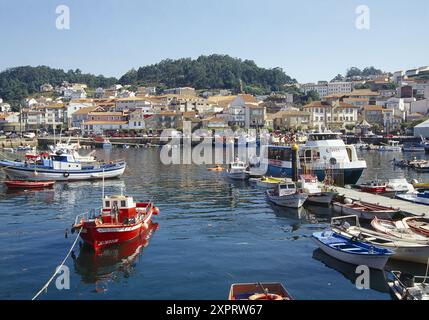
(316, 196)
(408, 287)
(419, 225)
(350, 250)
(287, 195)
(398, 186)
(362, 145)
(403, 250)
(398, 229)
(364, 210)
(238, 170)
(391, 146)
(415, 197)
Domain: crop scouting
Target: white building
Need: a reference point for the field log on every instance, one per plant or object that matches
(321, 88)
(75, 105)
(134, 103)
(421, 106)
(340, 87)
(137, 120)
(73, 94)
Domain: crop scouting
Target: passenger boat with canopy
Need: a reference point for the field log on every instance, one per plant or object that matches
(324, 154)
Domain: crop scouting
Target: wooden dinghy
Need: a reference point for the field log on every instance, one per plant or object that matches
(365, 210)
(22, 184)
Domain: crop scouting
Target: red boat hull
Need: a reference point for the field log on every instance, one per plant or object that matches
(102, 236)
(380, 189)
(21, 184)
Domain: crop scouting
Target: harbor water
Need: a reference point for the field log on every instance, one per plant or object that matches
(210, 233)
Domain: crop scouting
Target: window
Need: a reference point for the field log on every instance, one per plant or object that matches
(123, 203)
(107, 204)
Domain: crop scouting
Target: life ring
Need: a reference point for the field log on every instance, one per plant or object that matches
(265, 296)
(155, 210)
(66, 174)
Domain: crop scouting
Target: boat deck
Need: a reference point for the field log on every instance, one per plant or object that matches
(405, 206)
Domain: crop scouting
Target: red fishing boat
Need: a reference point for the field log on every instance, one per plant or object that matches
(373, 187)
(22, 184)
(120, 220)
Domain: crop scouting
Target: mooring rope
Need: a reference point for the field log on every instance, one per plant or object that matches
(45, 287)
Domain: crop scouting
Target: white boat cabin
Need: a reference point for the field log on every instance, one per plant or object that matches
(61, 162)
(284, 189)
(310, 184)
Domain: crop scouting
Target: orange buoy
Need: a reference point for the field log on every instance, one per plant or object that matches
(265, 296)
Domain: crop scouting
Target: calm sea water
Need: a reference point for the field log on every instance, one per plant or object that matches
(210, 233)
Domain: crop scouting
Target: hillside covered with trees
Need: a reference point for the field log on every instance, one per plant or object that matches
(210, 72)
(20, 82)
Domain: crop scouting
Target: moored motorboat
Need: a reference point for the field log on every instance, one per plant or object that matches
(403, 250)
(287, 195)
(391, 145)
(415, 197)
(398, 186)
(417, 224)
(398, 229)
(375, 186)
(238, 170)
(364, 210)
(351, 250)
(405, 286)
(258, 291)
(23, 184)
(60, 168)
(120, 220)
(316, 196)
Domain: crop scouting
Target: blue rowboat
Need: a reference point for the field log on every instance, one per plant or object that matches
(351, 250)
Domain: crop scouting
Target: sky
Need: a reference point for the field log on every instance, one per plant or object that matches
(311, 40)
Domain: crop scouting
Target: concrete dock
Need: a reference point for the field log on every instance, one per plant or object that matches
(409, 207)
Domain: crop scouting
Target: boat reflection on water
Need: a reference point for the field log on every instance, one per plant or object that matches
(289, 213)
(43, 195)
(378, 280)
(109, 263)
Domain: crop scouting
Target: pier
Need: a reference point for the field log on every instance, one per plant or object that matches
(405, 206)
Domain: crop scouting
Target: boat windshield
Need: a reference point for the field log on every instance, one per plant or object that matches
(323, 136)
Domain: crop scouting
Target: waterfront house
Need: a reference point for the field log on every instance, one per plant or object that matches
(291, 119)
(99, 121)
(82, 115)
(332, 115)
(164, 120)
(75, 105)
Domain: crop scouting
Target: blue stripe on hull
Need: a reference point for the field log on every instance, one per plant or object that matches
(351, 176)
